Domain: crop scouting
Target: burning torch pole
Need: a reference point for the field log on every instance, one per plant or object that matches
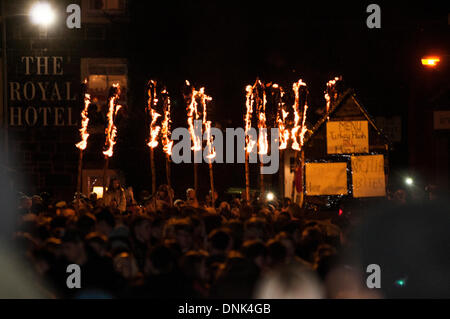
(249, 143)
(192, 115)
(167, 143)
(154, 129)
(111, 129)
(83, 133)
(298, 132)
(283, 132)
(263, 146)
(210, 157)
(209, 141)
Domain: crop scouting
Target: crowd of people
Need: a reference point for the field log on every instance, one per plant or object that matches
(158, 246)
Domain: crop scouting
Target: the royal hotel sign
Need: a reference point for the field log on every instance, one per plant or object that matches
(43, 90)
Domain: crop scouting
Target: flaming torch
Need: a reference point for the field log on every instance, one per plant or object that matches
(166, 141)
(211, 155)
(256, 96)
(192, 115)
(154, 129)
(299, 130)
(111, 129)
(83, 133)
(280, 122)
(282, 114)
(249, 142)
(330, 92)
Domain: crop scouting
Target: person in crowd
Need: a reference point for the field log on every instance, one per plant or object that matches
(115, 196)
(185, 249)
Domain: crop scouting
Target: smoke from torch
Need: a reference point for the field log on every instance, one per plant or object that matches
(298, 137)
(111, 129)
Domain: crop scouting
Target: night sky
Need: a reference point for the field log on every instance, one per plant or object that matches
(225, 45)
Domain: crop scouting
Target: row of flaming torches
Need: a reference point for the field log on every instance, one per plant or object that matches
(256, 100)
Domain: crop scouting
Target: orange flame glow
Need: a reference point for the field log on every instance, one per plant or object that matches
(329, 94)
(151, 103)
(111, 129)
(84, 123)
(248, 119)
(282, 114)
(194, 114)
(256, 95)
(209, 141)
(165, 130)
(299, 130)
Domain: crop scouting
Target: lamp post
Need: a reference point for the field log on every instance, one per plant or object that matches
(41, 14)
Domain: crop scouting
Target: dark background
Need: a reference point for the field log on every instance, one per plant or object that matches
(225, 45)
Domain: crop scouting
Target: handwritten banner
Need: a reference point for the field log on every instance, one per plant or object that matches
(368, 176)
(326, 178)
(346, 137)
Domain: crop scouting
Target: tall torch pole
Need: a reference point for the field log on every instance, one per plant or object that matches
(111, 129)
(165, 131)
(154, 129)
(83, 133)
(247, 179)
(263, 146)
(280, 122)
(192, 116)
(249, 142)
(210, 156)
(299, 131)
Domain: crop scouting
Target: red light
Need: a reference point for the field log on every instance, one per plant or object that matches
(340, 211)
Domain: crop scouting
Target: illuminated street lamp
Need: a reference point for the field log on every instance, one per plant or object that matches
(41, 13)
(409, 181)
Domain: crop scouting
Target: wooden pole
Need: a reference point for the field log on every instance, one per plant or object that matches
(293, 180)
(152, 165)
(80, 167)
(196, 178)
(261, 181)
(281, 177)
(168, 170)
(105, 174)
(169, 184)
(247, 179)
(211, 180)
(300, 196)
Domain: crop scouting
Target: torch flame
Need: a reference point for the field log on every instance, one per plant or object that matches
(255, 96)
(151, 103)
(84, 123)
(298, 137)
(248, 119)
(209, 141)
(165, 130)
(111, 129)
(281, 119)
(329, 92)
(193, 114)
